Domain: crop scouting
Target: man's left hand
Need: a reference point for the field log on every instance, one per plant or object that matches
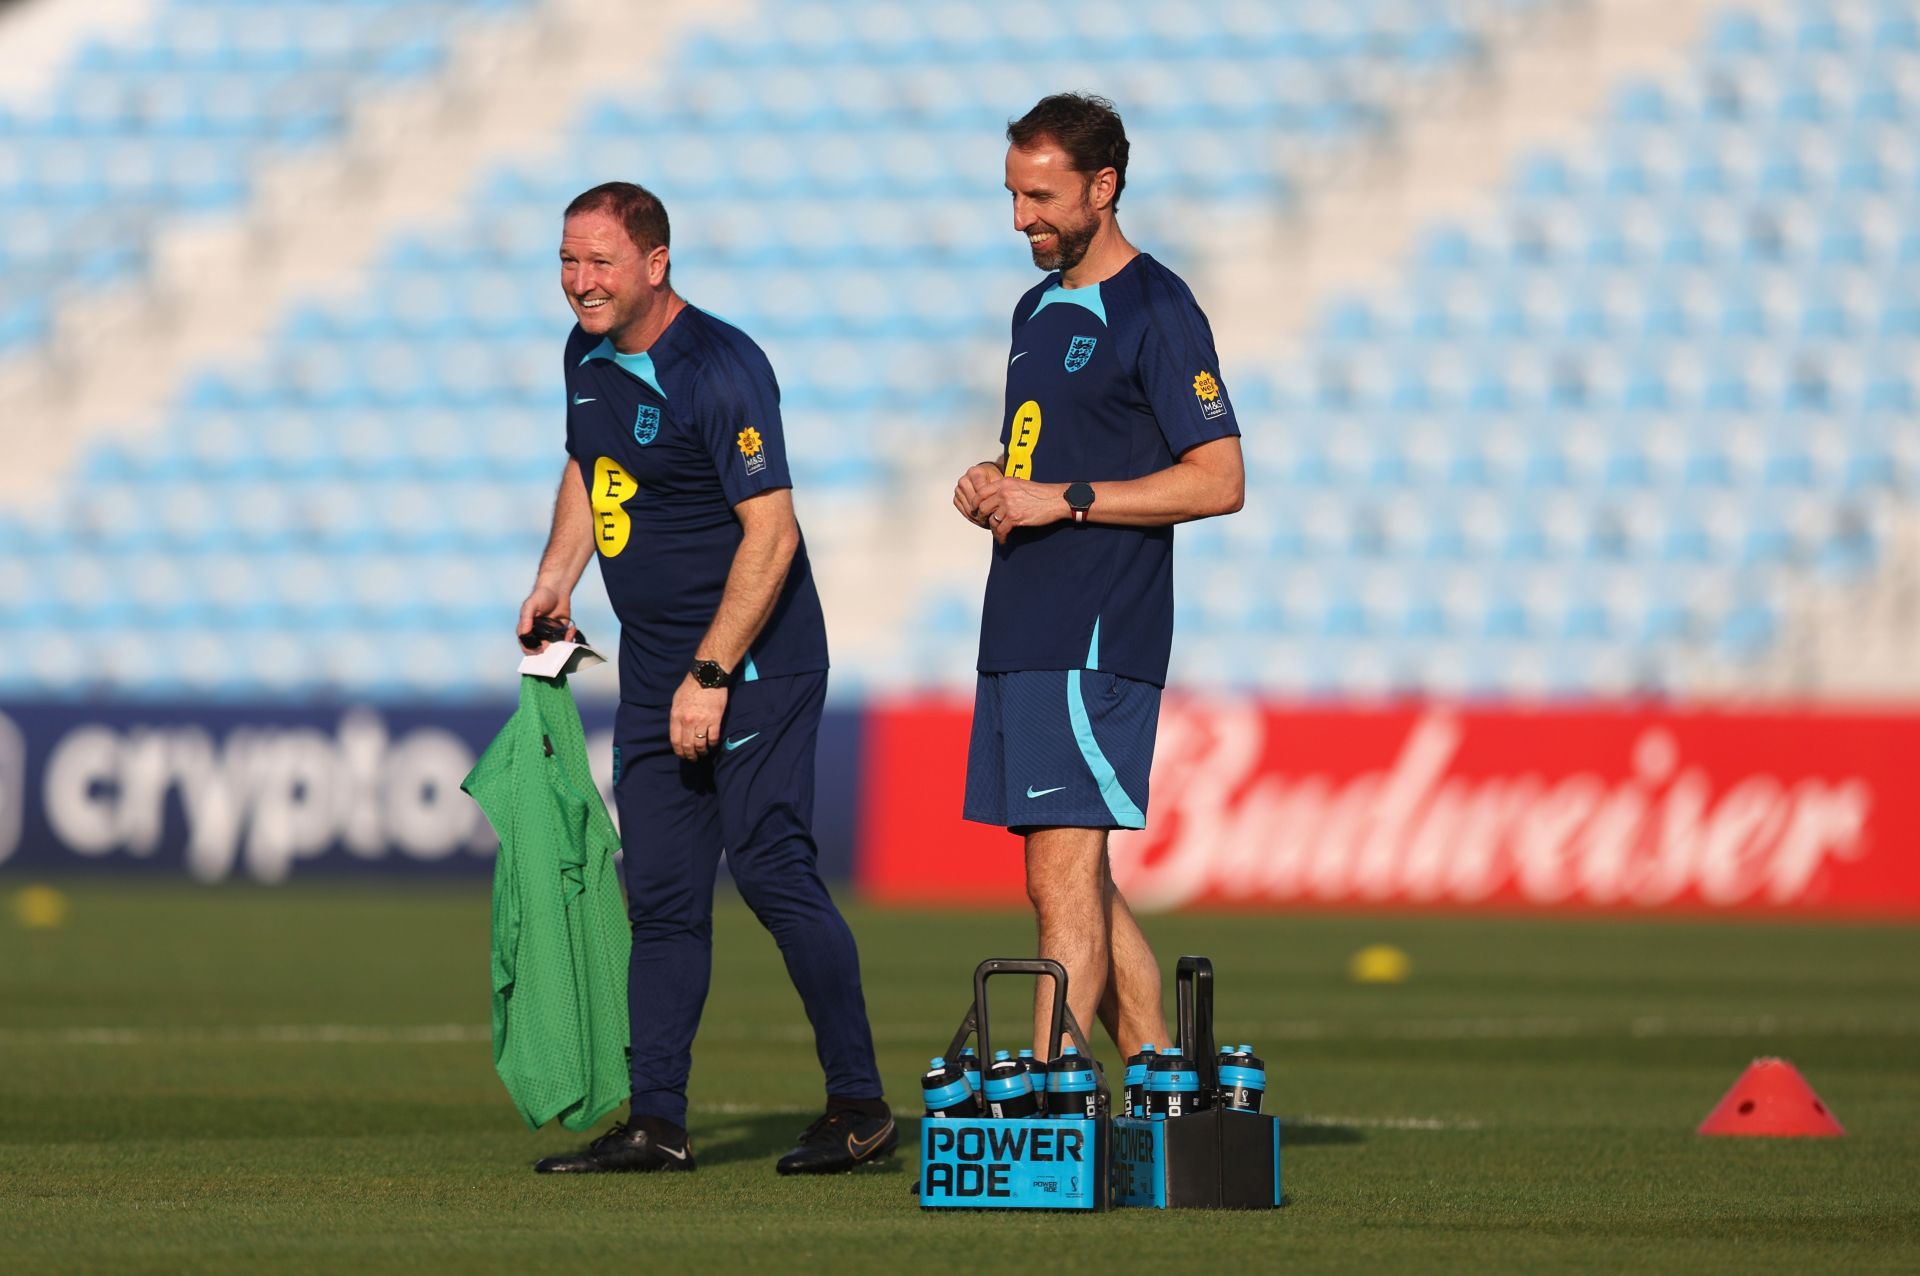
(693, 726)
(1007, 503)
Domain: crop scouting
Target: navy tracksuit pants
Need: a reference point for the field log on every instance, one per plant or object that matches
(753, 796)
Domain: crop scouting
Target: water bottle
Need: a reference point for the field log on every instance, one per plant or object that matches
(1243, 1079)
(1072, 1089)
(970, 1064)
(1009, 1090)
(1034, 1069)
(1135, 1081)
(947, 1092)
(1173, 1087)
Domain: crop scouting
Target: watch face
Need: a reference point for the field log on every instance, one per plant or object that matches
(1079, 495)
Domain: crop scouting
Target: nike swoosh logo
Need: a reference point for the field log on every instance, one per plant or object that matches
(862, 1150)
(577, 400)
(1043, 792)
(734, 744)
(681, 1155)
(1017, 358)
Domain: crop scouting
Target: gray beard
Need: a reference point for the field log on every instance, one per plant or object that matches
(1068, 252)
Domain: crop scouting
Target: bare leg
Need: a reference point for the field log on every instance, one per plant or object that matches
(1131, 1009)
(1067, 880)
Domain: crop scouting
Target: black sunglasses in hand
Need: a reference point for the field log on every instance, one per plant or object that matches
(549, 629)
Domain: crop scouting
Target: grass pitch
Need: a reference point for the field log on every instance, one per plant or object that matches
(299, 1080)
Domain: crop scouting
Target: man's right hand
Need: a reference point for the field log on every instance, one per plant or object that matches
(544, 602)
(968, 491)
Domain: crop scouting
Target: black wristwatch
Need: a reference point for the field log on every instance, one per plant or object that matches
(709, 674)
(1079, 500)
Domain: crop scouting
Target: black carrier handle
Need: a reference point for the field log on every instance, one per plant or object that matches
(1064, 1024)
(1193, 993)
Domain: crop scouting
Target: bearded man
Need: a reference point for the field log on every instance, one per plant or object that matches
(1116, 427)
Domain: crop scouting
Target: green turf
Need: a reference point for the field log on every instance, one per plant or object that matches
(1527, 1100)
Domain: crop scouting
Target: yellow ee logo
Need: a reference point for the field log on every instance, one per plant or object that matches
(1022, 439)
(612, 487)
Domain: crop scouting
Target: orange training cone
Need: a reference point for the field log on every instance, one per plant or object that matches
(1772, 1099)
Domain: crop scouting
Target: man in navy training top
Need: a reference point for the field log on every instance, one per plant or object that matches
(677, 477)
(1117, 426)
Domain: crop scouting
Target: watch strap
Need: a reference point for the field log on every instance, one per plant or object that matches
(1080, 510)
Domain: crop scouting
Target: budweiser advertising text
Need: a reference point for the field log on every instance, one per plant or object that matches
(1261, 805)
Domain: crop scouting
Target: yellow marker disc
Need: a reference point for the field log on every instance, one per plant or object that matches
(1379, 964)
(40, 907)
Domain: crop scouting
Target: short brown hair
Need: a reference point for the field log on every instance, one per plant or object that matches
(1083, 125)
(636, 207)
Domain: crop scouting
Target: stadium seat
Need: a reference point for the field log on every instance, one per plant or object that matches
(1670, 361)
(169, 119)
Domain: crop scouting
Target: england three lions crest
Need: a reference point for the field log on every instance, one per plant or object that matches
(646, 426)
(1079, 352)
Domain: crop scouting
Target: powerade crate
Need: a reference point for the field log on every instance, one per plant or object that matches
(1217, 1158)
(1040, 1163)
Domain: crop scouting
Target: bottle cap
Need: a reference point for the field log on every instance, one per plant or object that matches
(998, 1055)
(1147, 1049)
(1070, 1049)
(937, 1062)
(1174, 1051)
(965, 1051)
(1245, 1048)
(1026, 1054)
(1226, 1049)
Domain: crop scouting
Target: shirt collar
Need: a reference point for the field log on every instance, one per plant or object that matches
(1089, 297)
(640, 365)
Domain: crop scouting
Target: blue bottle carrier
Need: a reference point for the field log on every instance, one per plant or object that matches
(1038, 1163)
(1209, 1159)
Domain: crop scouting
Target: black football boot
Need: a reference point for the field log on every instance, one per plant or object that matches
(640, 1146)
(840, 1140)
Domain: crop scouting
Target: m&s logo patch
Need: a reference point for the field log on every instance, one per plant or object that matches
(1207, 390)
(752, 449)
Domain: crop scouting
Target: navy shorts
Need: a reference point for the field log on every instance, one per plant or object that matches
(1061, 748)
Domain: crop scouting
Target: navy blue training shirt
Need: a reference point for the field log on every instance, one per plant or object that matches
(668, 442)
(1111, 381)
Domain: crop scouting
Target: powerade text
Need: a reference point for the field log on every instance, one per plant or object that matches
(971, 1161)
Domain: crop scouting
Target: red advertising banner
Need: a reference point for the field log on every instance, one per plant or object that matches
(1257, 806)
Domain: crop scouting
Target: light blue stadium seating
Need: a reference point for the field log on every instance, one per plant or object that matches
(1671, 376)
(831, 175)
(1591, 435)
(173, 120)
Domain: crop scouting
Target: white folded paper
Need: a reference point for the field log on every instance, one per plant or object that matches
(561, 659)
